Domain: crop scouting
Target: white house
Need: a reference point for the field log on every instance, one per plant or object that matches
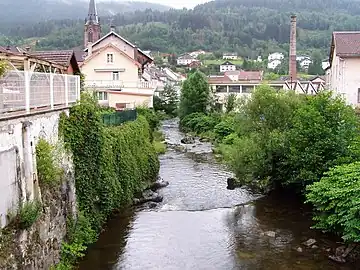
(185, 60)
(227, 66)
(274, 64)
(342, 75)
(275, 56)
(325, 64)
(229, 56)
(305, 63)
(195, 54)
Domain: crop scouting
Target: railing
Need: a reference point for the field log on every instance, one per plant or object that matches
(20, 90)
(114, 84)
(119, 117)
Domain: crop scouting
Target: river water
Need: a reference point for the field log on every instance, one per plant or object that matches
(202, 225)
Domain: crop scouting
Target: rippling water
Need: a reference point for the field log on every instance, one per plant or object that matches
(202, 225)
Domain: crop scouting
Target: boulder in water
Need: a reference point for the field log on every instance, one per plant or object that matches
(309, 242)
(159, 184)
(148, 196)
(188, 140)
(231, 183)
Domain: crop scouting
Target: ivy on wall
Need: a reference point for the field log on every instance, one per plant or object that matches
(111, 163)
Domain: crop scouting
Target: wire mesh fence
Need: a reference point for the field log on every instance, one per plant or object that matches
(20, 90)
(119, 117)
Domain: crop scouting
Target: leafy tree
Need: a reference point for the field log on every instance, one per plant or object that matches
(158, 61)
(170, 100)
(3, 67)
(195, 95)
(315, 68)
(336, 201)
(230, 102)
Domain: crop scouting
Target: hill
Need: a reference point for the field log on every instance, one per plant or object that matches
(20, 11)
(249, 27)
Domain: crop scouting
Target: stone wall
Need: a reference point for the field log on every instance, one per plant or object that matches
(39, 246)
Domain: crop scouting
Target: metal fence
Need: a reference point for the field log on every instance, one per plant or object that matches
(20, 90)
(119, 117)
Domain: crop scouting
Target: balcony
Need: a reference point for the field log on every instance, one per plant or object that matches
(120, 85)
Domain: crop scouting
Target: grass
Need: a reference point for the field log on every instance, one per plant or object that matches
(158, 142)
(220, 61)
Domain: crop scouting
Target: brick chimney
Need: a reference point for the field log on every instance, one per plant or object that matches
(292, 53)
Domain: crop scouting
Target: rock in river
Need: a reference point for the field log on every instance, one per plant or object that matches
(309, 242)
(160, 183)
(148, 196)
(188, 140)
(231, 183)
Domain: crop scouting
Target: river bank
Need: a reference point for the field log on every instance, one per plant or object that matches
(202, 225)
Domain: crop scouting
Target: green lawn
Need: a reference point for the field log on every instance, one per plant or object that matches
(220, 61)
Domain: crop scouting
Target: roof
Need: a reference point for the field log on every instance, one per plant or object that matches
(13, 49)
(345, 44)
(97, 52)
(59, 57)
(245, 75)
(123, 39)
(186, 56)
(232, 54)
(227, 63)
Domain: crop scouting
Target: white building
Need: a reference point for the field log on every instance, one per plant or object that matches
(325, 64)
(305, 63)
(274, 64)
(227, 66)
(195, 54)
(229, 56)
(185, 60)
(342, 75)
(275, 56)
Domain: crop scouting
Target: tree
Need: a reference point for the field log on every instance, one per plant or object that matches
(315, 68)
(230, 102)
(3, 67)
(170, 100)
(158, 61)
(195, 95)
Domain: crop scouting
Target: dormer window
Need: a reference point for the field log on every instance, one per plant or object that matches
(110, 58)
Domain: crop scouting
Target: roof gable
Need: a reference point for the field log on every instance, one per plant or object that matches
(111, 33)
(227, 63)
(97, 52)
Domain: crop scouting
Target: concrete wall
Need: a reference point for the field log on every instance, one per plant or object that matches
(39, 246)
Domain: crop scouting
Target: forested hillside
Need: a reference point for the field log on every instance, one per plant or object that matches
(249, 27)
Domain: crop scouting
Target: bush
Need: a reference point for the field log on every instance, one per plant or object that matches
(48, 171)
(336, 200)
(198, 123)
(28, 213)
(151, 117)
(224, 128)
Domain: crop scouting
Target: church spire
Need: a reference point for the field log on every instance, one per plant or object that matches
(92, 17)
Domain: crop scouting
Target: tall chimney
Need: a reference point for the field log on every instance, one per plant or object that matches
(292, 54)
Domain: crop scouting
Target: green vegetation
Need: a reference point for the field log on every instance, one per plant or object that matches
(159, 144)
(112, 163)
(283, 140)
(28, 213)
(248, 27)
(195, 95)
(48, 171)
(168, 101)
(237, 62)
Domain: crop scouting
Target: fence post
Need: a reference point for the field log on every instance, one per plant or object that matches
(66, 91)
(27, 91)
(51, 90)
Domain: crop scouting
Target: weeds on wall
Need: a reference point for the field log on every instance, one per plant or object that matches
(111, 165)
(28, 213)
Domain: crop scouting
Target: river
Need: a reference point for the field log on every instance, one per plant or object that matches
(202, 225)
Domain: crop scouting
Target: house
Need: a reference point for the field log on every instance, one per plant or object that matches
(195, 64)
(185, 60)
(258, 59)
(342, 73)
(273, 64)
(275, 56)
(113, 67)
(230, 56)
(196, 54)
(300, 58)
(62, 57)
(305, 63)
(325, 64)
(226, 66)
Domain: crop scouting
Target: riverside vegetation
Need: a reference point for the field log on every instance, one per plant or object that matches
(286, 141)
(111, 165)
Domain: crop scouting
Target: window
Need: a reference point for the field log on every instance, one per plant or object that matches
(90, 36)
(102, 96)
(110, 58)
(115, 76)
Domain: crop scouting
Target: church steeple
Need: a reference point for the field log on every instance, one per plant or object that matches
(92, 31)
(92, 14)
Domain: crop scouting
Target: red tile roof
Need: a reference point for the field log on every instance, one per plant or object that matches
(347, 43)
(58, 57)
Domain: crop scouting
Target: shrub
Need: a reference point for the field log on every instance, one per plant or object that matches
(151, 117)
(336, 198)
(224, 128)
(48, 171)
(28, 213)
